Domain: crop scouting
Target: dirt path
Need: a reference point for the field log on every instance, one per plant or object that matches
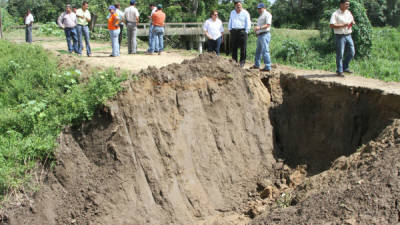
(101, 51)
(140, 61)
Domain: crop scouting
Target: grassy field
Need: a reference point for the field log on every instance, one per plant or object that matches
(36, 101)
(304, 49)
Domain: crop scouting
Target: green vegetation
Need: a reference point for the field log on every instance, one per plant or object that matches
(305, 49)
(36, 101)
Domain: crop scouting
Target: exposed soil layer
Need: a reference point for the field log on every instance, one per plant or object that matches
(206, 142)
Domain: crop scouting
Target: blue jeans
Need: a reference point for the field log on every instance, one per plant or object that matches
(28, 33)
(158, 39)
(114, 35)
(85, 31)
(214, 45)
(150, 38)
(70, 34)
(263, 50)
(344, 46)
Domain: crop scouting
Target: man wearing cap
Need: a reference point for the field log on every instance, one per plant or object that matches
(341, 22)
(131, 18)
(263, 38)
(83, 19)
(158, 19)
(67, 21)
(239, 27)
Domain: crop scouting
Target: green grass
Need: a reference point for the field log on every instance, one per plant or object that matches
(36, 101)
(304, 49)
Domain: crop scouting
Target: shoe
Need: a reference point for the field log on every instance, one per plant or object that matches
(89, 55)
(348, 71)
(253, 67)
(241, 65)
(112, 55)
(339, 74)
(159, 53)
(265, 70)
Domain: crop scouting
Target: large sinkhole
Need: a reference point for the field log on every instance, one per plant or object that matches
(316, 122)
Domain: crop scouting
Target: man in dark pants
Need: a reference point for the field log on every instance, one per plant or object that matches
(239, 27)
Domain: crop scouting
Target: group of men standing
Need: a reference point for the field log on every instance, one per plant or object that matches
(239, 27)
(75, 25)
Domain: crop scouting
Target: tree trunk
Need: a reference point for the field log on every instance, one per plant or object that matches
(1, 26)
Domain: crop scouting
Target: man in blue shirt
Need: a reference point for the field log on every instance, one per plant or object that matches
(239, 27)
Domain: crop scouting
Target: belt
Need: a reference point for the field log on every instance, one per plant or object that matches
(265, 32)
(238, 29)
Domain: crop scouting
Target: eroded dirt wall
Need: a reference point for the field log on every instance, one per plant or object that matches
(316, 122)
(182, 144)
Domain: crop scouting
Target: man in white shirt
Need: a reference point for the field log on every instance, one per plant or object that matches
(341, 22)
(83, 19)
(28, 26)
(131, 18)
(214, 31)
(239, 27)
(153, 9)
(67, 21)
(263, 38)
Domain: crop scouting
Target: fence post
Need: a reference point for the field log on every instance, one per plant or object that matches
(1, 26)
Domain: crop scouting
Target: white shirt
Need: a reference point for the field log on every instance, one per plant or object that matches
(213, 28)
(85, 14)
(29, 19)
(120, 16)
(265, 18)
(152, 12)
(239, 21)
(339, 17)
(131, 13)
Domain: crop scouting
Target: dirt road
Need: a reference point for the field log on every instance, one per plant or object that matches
(101, 51)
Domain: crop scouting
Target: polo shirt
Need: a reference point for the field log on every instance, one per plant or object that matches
(340, 17)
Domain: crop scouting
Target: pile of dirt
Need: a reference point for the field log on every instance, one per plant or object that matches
(206, 142)
(182, 144)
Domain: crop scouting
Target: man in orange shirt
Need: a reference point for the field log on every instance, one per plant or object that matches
(158, 19)
(113, 27)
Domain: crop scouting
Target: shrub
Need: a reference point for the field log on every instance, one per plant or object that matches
(293, 51)
(36, 101)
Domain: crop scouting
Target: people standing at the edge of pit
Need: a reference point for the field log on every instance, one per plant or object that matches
(83, 19)
(28, 20)
(67, 21)
(121, 24)
(263, 38)
(341, 22)
(239, 27)
(153, 9)
(131, 17)
(214, 31)
(113, 27)
(158, 19)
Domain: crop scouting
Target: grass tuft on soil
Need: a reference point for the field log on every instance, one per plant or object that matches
(37, 100)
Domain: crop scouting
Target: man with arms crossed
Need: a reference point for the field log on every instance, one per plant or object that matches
(83, 18)
(341, 22)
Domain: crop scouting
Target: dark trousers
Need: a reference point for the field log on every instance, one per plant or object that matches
(214, 45)
(239, 40)
(121, 27)
(28, 33)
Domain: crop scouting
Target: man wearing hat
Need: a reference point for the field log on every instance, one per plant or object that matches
(158, 19)
(263, 38)
(131, 17)
(239, 27)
